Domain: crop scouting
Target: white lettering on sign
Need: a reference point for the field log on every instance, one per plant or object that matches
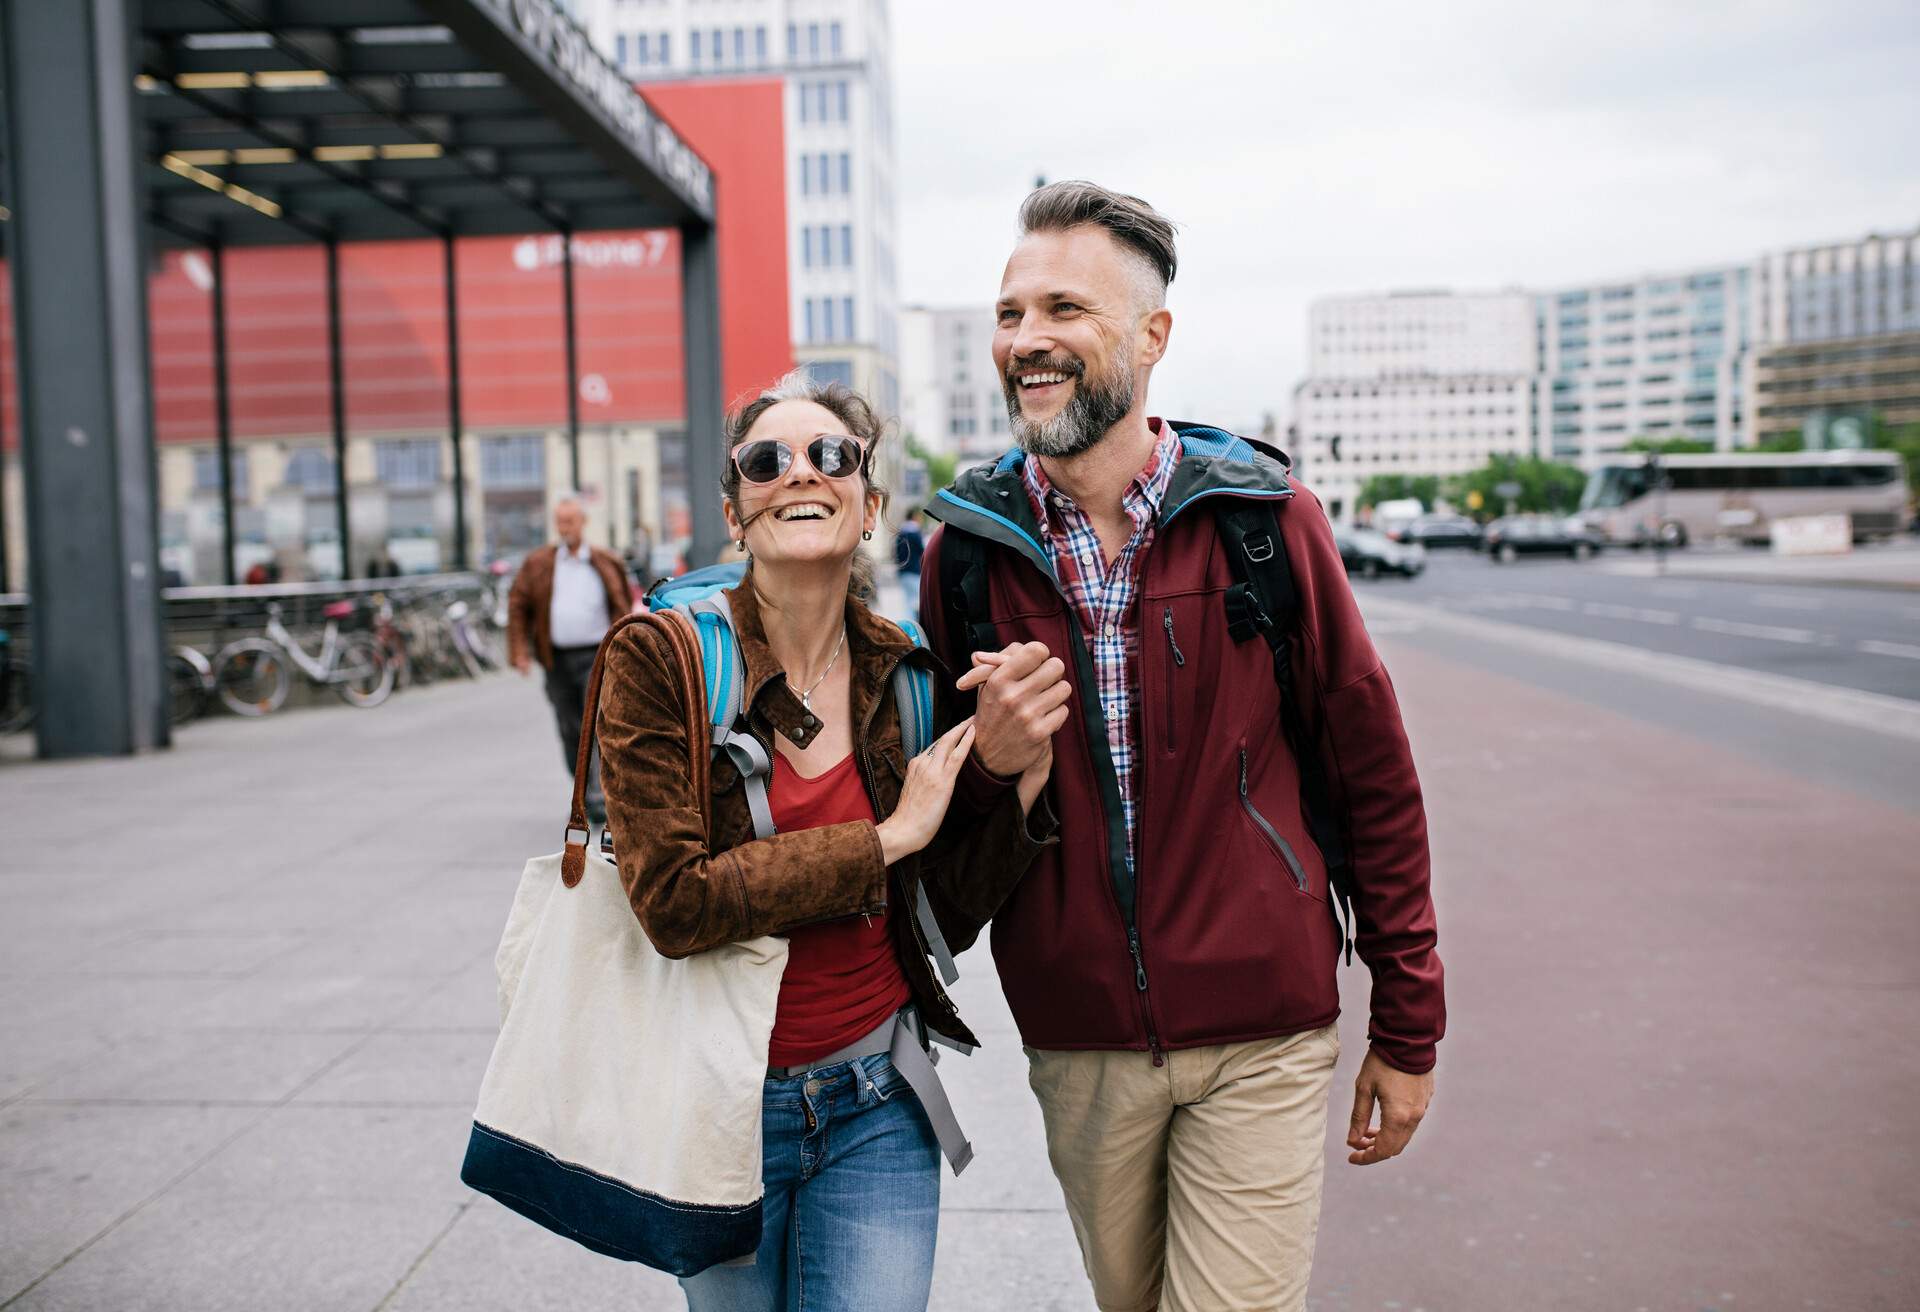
(638, 252)
(553, 36)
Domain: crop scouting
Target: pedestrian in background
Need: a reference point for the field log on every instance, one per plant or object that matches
(562, 602)
(1171, 962)
(912, 547)
(850, 1158)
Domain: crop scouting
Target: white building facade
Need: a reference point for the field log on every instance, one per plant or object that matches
(1660, 356)
(835, 58)
(951, 401)
(1413, 383)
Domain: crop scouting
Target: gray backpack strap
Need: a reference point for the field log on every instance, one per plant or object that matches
(913, 696)
(726, 690)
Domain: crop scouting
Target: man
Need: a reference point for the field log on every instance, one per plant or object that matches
(1171, 962)
(562, 603)
(910, 549)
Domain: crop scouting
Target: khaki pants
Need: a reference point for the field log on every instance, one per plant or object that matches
(1194, 1185)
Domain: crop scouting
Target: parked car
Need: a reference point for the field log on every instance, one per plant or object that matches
(1509, 538)
(1371, 553)
(1432, 531)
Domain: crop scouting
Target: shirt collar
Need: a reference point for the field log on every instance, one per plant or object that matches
(584, 554)
(1148, 488)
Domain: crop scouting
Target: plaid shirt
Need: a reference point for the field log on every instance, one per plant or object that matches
(1103, 595)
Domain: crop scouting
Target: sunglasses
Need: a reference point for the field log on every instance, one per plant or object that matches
(767, 459)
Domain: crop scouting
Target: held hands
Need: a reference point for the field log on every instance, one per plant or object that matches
(925, 794)
(1403, 1101)
(1022, 704)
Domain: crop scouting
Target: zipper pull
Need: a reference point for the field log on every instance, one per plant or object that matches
(1139, 967)
(1153, 1046)
(1166, 621)
(1243, 772)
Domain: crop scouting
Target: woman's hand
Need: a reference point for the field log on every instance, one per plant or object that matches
(925, 794)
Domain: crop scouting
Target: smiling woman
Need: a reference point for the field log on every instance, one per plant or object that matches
(848, 834)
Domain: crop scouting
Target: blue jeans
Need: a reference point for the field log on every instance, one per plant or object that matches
(852, 1203)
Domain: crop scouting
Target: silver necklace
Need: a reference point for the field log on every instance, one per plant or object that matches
(806, 698)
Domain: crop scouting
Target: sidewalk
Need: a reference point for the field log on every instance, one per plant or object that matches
(1893, 565)
(246, 997)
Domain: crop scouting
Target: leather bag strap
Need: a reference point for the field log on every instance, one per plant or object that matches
(678, 632)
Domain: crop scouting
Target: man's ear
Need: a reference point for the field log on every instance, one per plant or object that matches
(1155, 331)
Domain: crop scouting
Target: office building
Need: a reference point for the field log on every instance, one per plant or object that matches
(951, 399)
(835, 61)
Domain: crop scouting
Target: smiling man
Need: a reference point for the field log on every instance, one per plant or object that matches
(1234, 788)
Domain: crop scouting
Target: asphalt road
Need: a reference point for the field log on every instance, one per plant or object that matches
(1847, 637)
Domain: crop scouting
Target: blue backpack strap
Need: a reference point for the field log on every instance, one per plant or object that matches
(913, 694)
(726, 691)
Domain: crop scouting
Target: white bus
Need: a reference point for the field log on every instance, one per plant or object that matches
(1738, 495)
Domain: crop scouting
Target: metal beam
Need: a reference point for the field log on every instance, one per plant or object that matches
(337, 390)
(700, 334)
(81, 316)
(223, 414)
(454, 420)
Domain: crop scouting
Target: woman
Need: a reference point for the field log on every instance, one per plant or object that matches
(850, 1159)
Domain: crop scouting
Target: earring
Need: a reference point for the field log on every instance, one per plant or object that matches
(740, 544)
(866, 535)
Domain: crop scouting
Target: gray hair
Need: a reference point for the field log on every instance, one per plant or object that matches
(1137, 226)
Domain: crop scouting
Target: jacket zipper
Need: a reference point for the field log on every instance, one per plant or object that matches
(1273, 835)
(1179, 661)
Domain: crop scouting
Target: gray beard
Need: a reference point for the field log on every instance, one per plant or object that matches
(1097, 405)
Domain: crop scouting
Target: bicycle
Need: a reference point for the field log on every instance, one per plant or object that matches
(16, 688)
(252, 675)
(189, 683)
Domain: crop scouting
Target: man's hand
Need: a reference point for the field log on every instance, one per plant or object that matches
(1403, 1101)
(1022, 704)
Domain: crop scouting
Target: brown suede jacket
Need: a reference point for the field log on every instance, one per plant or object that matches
(697, 885)
(530, 601)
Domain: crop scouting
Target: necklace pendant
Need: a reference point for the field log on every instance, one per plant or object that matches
(806, 703)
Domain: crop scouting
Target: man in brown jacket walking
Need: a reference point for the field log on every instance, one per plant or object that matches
(563, 601)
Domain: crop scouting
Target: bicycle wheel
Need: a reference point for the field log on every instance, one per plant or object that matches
(188, 675)
(16, 696)
(251, 677)
(364, 677)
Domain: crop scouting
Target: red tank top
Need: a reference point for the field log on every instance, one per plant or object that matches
(843, 977)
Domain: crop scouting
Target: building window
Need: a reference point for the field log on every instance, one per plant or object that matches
(760, 46)
(846, 317)
(719, 47)
(813, 42)
(846, 174)
(411, 462)
(310, 469)
(806, 104)
(806, 175)
(806, 247)
(206, 471)
(810, 332)
(826, 317)
(826, 247)
(840, 99)
(831, 371)
(740, 46)
(826, 174)
(514, 462)
(620, 49)
(833, 39)
(666, 47)
(846, 245)
(693, 39)
(793, 42)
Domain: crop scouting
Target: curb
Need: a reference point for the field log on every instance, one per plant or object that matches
(1767, 580)
(1894, 716)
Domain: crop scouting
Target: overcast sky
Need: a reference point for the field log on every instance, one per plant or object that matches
(1309, 150)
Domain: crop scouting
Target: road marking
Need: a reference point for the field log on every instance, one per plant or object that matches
(1875, 647)
(1781, 601)
(1897, 716)
(1607, 611)
(1772, 632)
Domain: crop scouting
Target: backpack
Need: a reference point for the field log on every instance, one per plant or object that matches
(1262, 601)
(701, 595)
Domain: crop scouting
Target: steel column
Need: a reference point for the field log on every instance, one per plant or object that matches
(453, 406)
(700, 336)
(80, 310)
(223, 415)
(337, 385)
(573, 368)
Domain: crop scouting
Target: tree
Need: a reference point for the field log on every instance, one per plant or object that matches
(1545, 485)
(1423, 488)
(1670, 446)
(941, 469)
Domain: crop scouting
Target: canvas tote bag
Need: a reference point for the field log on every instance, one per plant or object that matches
(622, 1104)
